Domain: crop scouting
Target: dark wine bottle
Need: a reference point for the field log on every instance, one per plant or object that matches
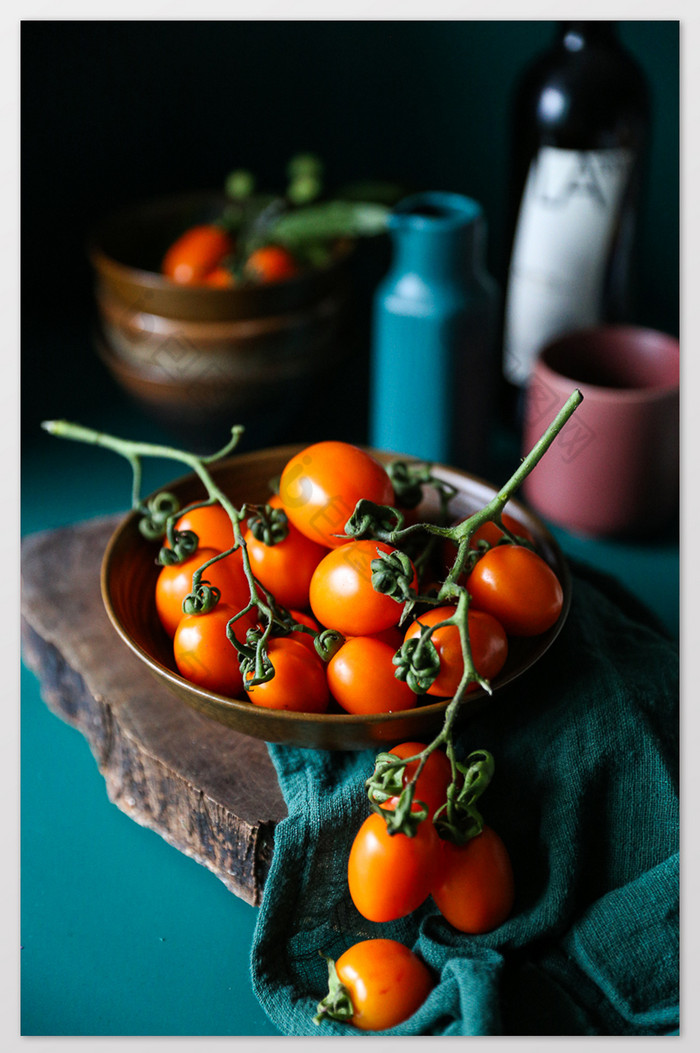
(581, 121)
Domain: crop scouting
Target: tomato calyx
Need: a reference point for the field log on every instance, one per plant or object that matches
(418, 663)
(390, 798)
(393, 575)
(268, 525)
(459, 819)
(409, 480)
(156, 512)
(370, 520)
(327, 643)
(337, 1004)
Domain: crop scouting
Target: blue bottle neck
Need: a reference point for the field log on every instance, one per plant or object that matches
(438, 236)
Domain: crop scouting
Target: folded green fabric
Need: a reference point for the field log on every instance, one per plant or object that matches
(585, 796)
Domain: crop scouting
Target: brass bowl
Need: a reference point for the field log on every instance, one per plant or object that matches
(128, 590)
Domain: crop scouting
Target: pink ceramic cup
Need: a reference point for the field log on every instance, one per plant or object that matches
(613, 468)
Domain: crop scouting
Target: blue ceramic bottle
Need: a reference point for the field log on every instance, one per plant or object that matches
(434, 364)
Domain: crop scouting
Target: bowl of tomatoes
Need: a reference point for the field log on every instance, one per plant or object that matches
(198, 336)
(317, 580)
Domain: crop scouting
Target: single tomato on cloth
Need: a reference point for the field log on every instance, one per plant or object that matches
(475, 889)
(385, 982)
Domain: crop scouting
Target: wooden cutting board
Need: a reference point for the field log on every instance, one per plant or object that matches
(209, 791)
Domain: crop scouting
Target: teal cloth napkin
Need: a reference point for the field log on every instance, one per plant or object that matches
(585, 796)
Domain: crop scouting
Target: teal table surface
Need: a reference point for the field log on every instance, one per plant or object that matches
(121, 935)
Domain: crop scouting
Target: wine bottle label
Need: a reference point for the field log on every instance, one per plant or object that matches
(568, 217)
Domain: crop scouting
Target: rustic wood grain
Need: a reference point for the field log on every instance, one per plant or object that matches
(209, 791)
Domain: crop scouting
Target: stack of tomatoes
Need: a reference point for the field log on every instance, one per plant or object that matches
(324, 580)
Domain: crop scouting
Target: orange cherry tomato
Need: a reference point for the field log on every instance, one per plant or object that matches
(299, 682)
(203, 653)
(435, 777)
(219, 278)
(174, 583)
(321, 485)
(285, 568)
(390, 875)
(195, 253)
(387, 982)
(212, 526)
(341, 593)
(517, 587)
(271, 263)
(361, 678)
(487, 638)
(474, 889)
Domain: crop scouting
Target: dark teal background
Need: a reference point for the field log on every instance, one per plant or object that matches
(121, 935)
(116, 112)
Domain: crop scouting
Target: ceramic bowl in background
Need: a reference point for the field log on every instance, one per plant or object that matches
(613, 469)
(128, 588)
(198, 356)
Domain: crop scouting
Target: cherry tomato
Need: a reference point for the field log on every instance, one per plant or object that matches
(342, 596)
(321, 485)
(361, 678)
(212, 526)
(203, 653)
(286, 567)
(195, 253)
(219, 278)
(175, 582)
(271, 263)
(299, 682)
(487, 639)
(474, 889)
(390, 875)
(386, 982)
(435, 777)
(518, 588)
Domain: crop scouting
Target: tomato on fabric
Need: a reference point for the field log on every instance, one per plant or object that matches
(434, 779)
(271, 263)
(488, 642)
(203, 653)
(474, 889)
(195, 253)
(342, 595)
(361, 678)
(390, 875)
(386, 981)
(174, 583)
(285, 568)
(321, 485)
(518, 588)
(299, 683)
(211, 524)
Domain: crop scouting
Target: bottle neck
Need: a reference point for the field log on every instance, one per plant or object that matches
(439, 236)
(577, 35)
